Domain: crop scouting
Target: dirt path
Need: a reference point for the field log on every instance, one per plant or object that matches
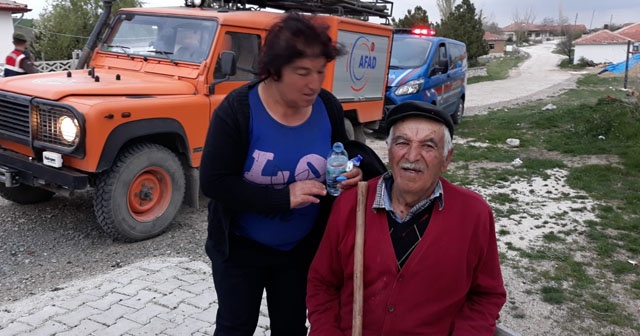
(538, 77)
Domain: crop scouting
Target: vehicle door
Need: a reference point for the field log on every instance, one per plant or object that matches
(245, 44)
(457, 70)
(440, 78)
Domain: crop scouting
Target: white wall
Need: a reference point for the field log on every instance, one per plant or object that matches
(6, 27)
(602, 53)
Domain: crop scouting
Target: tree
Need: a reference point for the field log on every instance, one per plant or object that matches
(65, 25)
(465, 25)
(491, 27)
(445, 7)
(417, 17)
(523, 21)
(568, 34)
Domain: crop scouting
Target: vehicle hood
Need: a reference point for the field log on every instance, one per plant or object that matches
(57, 85)
(398, 77)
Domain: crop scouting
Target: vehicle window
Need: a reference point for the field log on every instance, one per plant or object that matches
(175, 38)
(247, 49)
(457, 56)
(409, 51)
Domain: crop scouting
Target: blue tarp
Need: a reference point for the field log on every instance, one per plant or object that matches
(619, 68)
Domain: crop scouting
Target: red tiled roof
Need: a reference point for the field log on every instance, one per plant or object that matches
(13, 7)
(631, 31)
(602, 37)
(493, 37)
(534, 27)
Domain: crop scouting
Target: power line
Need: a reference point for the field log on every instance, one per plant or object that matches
(53, 33)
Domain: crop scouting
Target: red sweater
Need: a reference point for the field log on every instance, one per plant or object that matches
(451, 283)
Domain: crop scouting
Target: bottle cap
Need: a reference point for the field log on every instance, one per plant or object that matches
(341, 178)
(338, 147)
(356, 160)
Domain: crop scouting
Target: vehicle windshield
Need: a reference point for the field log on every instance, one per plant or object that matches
(409, 51)
(173, 38)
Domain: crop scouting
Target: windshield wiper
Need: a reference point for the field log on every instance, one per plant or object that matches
(161, 52)
(394, 67)
(164, 53)
(122, 47)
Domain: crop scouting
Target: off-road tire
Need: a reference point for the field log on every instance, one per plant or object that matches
(25, 194)
(141, 194)
(456, 117)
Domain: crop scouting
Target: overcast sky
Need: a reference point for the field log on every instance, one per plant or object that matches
(591, 13)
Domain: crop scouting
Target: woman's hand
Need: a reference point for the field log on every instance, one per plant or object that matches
(303, 193)
(353, 177)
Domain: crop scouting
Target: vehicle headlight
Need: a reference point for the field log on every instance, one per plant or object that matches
(69, 128)
(56, 126)
(410, 87)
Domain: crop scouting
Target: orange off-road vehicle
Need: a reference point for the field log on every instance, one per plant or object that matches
(132, 126)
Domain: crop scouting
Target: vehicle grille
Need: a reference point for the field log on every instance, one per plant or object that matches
(14, 117)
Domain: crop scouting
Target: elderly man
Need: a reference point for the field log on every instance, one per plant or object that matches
(430, 255)
(18, 61)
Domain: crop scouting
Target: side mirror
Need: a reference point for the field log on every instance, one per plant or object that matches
(441, 67)
(444, 65)
(225, 68)
(227, 63)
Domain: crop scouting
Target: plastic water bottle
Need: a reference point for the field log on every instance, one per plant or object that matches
(336, 165)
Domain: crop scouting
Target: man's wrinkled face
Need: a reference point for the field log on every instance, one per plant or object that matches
(416, 155)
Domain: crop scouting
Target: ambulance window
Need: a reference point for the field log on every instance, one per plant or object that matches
(457, 57)
(247, 48)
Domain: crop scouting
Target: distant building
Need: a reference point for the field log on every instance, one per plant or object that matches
(538, 33)
(495, 42)
(605, 46)
(8, 7)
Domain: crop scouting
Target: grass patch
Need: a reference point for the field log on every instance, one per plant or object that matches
(551, 237)
(552, 294)
(592, 121)
(498, 69)
(620, 267)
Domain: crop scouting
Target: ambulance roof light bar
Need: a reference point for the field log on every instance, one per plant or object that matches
(423, 31)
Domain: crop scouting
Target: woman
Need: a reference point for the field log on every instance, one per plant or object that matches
(263, 168)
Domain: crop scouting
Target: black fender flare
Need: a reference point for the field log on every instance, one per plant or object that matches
(147, 128)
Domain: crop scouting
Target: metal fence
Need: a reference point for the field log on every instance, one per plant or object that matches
(50, 66)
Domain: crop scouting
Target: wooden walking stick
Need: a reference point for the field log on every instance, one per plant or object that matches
(358, 260)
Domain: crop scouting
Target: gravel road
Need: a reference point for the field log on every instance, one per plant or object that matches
(46, 245)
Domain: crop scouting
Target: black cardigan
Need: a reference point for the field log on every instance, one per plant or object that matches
(225, 151)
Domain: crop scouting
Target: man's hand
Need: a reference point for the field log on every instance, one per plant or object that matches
(303, 193)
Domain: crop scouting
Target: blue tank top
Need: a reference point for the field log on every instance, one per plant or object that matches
(278, 156)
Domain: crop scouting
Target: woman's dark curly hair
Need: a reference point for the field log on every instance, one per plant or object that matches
(294, 37)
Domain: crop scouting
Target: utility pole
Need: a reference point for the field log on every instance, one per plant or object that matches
(591, 23)
(626, 64)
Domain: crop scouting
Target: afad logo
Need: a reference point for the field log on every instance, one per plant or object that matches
(361, 62)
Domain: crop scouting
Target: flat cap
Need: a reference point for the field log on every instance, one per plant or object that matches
(417, 109)
(19, 37)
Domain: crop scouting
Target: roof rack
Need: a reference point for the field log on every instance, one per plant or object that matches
(363, 8)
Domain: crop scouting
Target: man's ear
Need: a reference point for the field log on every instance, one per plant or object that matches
(447, 160)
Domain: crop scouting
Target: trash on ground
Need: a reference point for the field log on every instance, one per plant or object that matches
(549, 107)
(513, 142)
(517, 162)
